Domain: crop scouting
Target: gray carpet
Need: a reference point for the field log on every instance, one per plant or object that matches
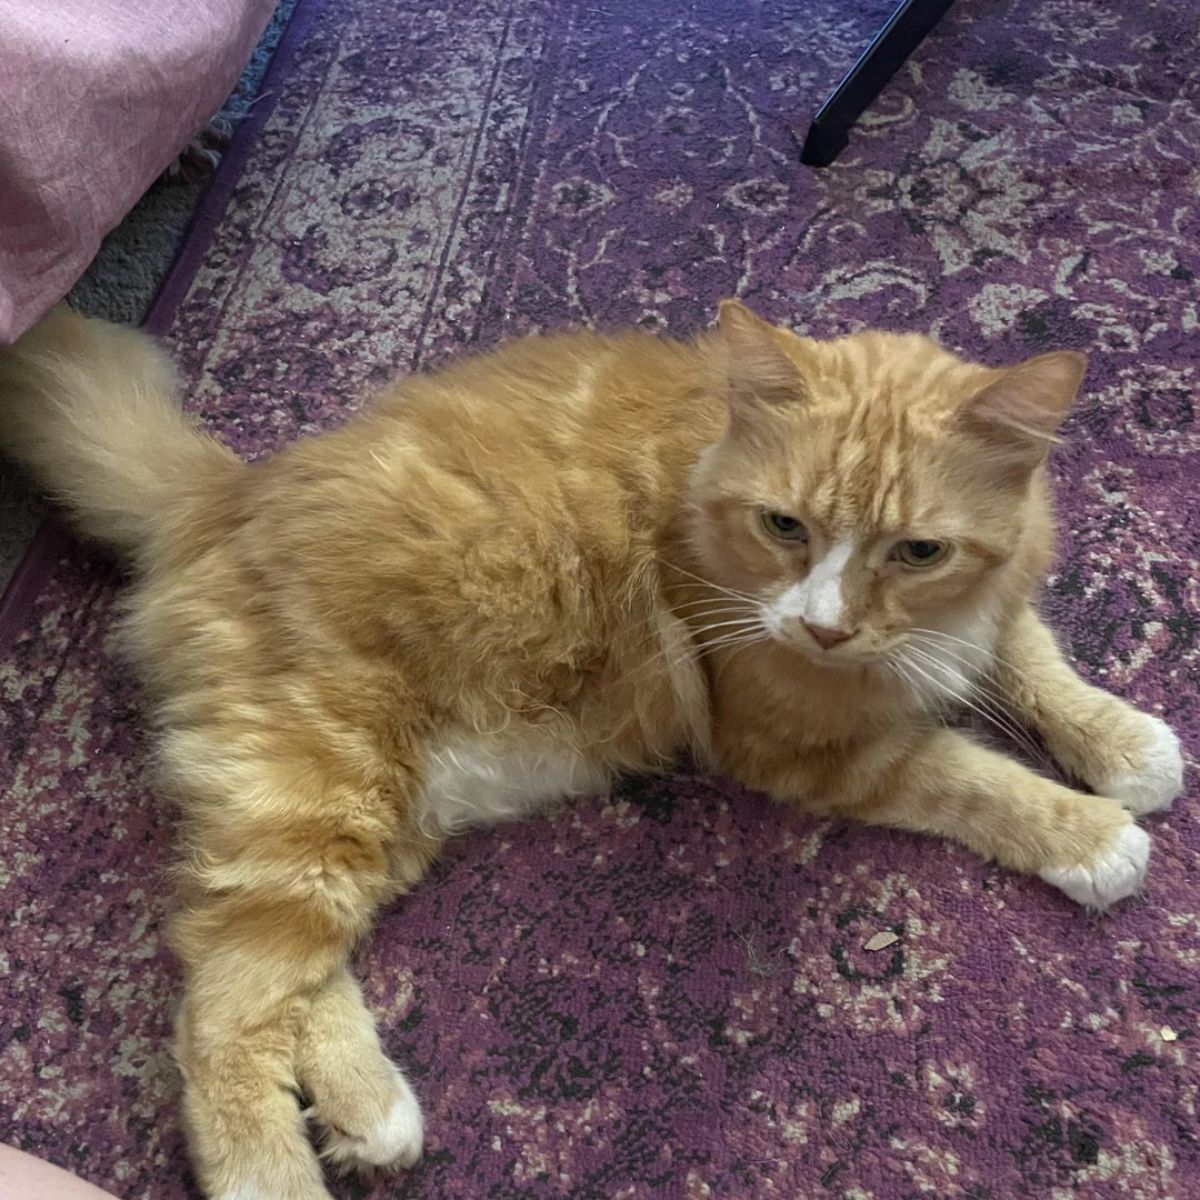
(125, 275)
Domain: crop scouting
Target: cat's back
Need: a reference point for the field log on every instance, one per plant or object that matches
(577, 400)
(507, 509)
(553, 453)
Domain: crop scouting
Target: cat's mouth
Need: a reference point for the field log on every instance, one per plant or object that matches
(847, 653)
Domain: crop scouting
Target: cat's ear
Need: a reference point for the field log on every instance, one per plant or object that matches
(1020, 411)
(760, 372)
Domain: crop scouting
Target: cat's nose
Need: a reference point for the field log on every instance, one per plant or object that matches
(827, 638)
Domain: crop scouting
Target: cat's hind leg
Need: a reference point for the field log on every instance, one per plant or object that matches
(285, 873)
(366, 1112)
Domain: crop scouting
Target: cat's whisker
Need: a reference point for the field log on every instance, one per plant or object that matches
(904, 676)
(757, 630)
(952, 679)
(900, 670)
(944, 687)
(700, 613)
(707, 582)
(720, 603)
(702, 631)
(690, 619)
(963, 691)
(990, 687)
(978, 704)
(981, 655)
(738, 613)
(981, 685)
(704, 599)
(753, 635)
(697, 647)
(942, 636)
(738, 639)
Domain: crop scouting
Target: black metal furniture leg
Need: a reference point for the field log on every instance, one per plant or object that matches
(904, 32)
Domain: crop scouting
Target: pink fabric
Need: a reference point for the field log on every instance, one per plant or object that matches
(96, 98)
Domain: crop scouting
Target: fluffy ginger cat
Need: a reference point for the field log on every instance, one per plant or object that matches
(500, 584)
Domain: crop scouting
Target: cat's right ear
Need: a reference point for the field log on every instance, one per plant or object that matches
(761, 374)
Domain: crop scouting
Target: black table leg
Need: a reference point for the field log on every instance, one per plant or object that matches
(904, 32)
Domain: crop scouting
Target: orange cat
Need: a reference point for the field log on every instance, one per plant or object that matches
(505, 582)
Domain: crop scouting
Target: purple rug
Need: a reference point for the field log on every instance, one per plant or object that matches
(664, 992)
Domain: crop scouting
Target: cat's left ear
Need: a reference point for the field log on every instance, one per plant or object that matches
(1022, 408)
(761, 373)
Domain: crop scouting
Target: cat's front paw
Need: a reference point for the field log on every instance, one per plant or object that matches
(1117, 873)
(1153, 782)
(390, 1142)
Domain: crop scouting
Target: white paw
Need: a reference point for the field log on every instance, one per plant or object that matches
(1114, 875)
(1160, 779)
(394, 1142)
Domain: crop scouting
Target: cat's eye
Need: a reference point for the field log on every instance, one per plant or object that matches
(780, 525)
(920, 553)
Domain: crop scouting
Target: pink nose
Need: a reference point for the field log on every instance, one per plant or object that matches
(827, 638)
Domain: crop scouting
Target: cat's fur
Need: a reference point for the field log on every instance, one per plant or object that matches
(505, 582)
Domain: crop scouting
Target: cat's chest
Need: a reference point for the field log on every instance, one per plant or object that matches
(479, 780)
(949, 666)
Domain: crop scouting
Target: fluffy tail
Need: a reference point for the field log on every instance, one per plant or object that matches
(91, 409)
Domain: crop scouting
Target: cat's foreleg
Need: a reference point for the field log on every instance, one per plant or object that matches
(1102, 740)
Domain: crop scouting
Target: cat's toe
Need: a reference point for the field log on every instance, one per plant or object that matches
(392, 1142)
(1117, 873)
(1159, 777)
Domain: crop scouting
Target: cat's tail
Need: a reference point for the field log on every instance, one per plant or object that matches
(92, 410)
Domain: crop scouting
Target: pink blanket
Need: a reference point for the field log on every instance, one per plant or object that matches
(96, 98)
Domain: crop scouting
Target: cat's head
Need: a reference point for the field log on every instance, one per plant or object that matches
(873, 490)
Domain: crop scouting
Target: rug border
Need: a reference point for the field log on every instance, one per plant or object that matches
(52, 539)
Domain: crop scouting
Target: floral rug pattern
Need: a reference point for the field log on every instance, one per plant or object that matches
(665, 992)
